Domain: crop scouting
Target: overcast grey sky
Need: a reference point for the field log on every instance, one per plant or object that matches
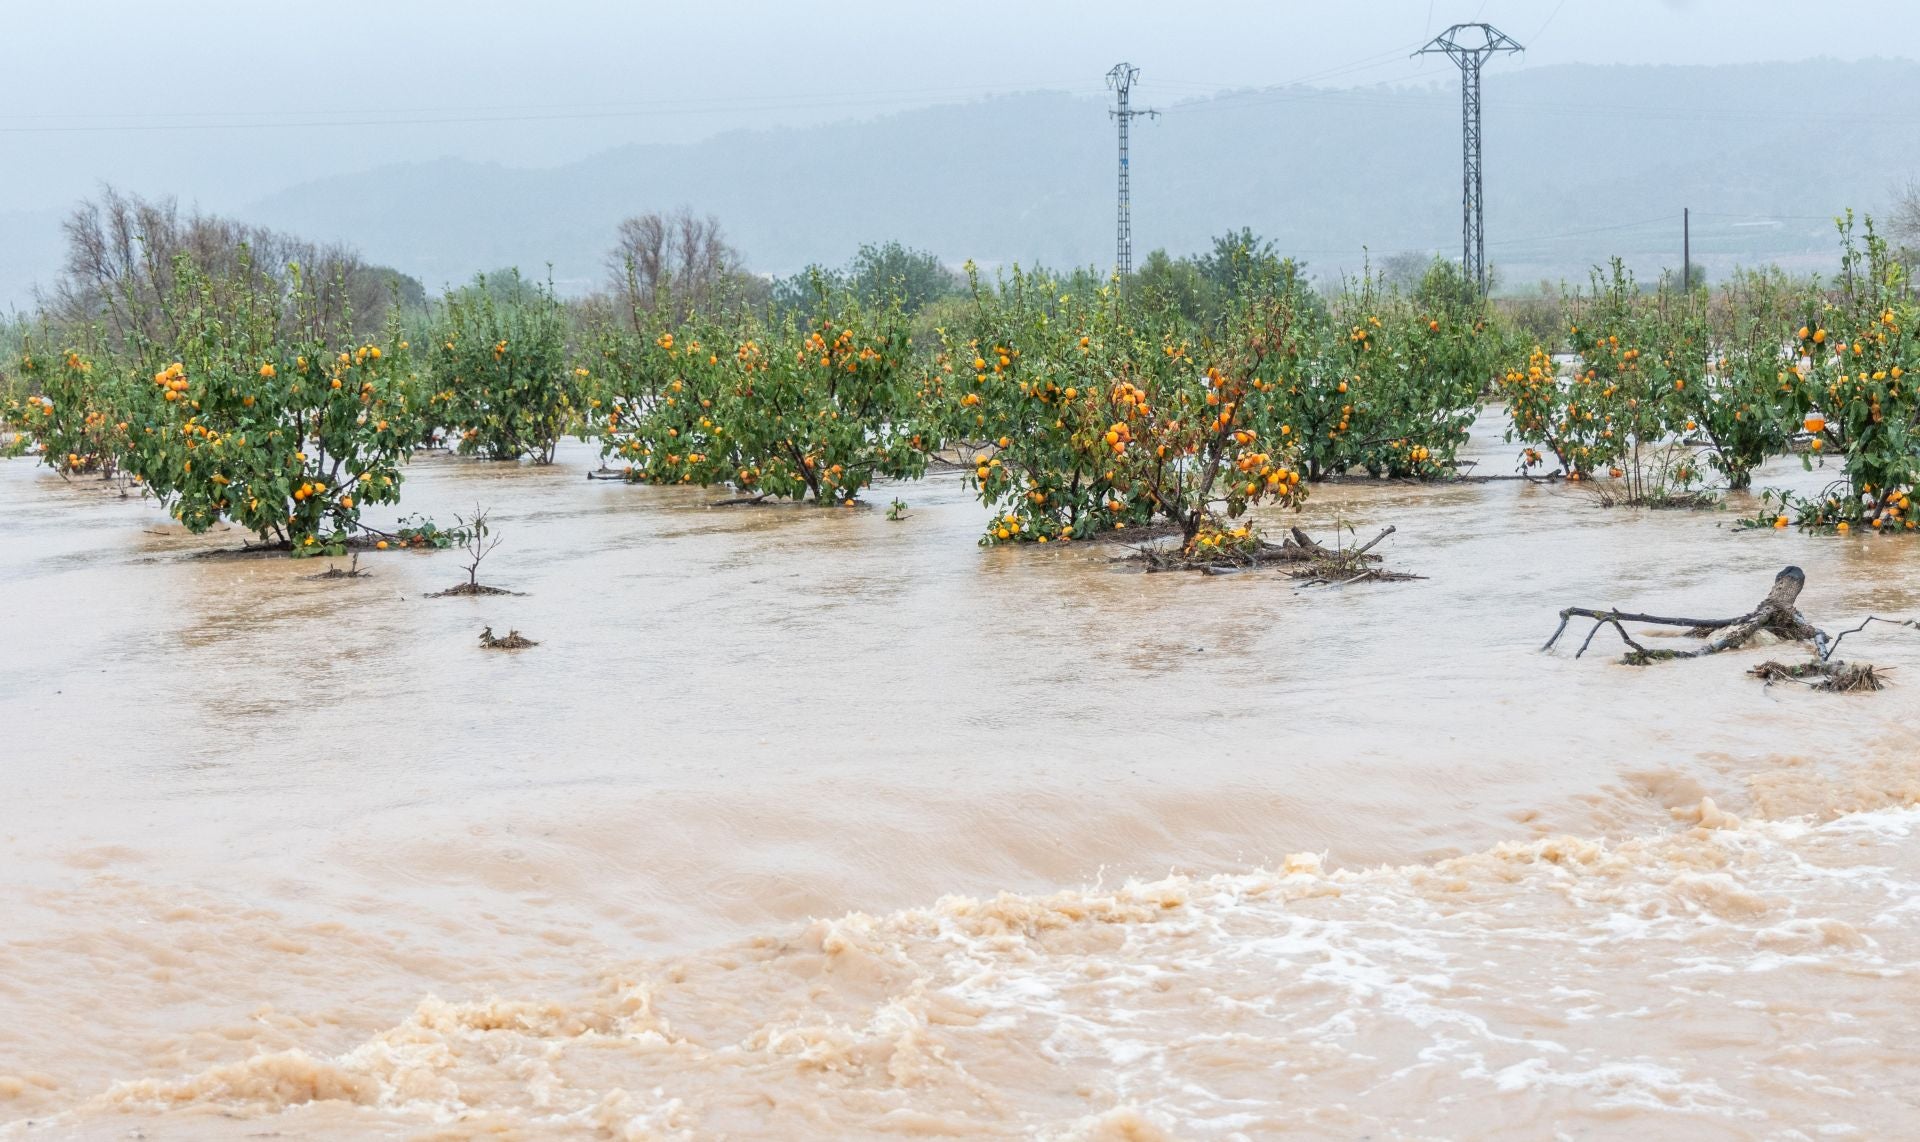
(222, 101)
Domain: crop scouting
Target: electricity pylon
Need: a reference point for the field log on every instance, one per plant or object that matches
(1121, 80)
(1470, 45)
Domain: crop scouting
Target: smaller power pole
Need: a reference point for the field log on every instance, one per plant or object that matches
(1686, 251)
(1120, 79)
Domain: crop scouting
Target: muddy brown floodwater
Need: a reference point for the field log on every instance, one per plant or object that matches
(806, 824)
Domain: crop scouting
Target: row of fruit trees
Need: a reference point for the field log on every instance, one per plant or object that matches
(1071, 409)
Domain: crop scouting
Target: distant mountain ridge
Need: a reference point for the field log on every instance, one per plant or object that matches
(1582, 162)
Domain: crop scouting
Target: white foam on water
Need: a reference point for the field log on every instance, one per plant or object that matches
(1689, 981)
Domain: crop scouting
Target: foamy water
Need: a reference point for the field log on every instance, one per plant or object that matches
(1730, 979)
(786, 830)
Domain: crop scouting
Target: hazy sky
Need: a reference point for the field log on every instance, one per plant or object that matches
(222, 101)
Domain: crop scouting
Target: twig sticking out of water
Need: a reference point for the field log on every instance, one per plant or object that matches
(1827, 649)
(352, 572)
(1333, 567)
(480, 542)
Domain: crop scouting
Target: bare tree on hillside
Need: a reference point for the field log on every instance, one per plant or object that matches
(123, 251)
(679, 261)
(1405, 269)
(1903, 227)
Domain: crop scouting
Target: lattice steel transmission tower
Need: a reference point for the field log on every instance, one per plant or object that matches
(1470, 46)
(1121, 80)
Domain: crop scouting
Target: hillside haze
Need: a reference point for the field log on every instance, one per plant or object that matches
(1582, 162)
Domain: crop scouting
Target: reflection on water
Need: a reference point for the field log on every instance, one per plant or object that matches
(251, 819)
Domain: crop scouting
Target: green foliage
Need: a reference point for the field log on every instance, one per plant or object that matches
(1743, 405)
(1663, 381)
(1240, 264)
(73, 417)
(501, 377)
(878, 276)
(1856, 390)
(1389, 383)
(419, 531)
(1172, 286)
(814, 410)
(1088, 415)
(231, 420)
(1202, 290)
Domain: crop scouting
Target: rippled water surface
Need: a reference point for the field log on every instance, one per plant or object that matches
(805, 823)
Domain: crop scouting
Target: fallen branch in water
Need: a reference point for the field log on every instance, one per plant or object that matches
(1307, 559)
(1826, 648)
(1775, 615)
(1333, 567)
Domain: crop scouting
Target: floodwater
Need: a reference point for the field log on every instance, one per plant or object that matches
(803, 823)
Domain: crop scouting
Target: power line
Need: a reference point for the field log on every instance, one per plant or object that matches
(1565, 234)
(1369, 94)
(1534, 245)
(1770, 217)
(879, 93)
(377, 118)
(1550, 18)
(1364, 63)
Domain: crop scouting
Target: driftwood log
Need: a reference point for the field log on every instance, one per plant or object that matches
(1777, 615)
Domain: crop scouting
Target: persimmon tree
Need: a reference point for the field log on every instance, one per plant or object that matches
(1025, 386)
(1743, 403)
(1855, 392)
(1391, 382)
(75, 417)
(503, 384)
(1543, 413)
(1590, 414)
(1214, 442)
(810, 409)
(251, 411)
(1089, 418)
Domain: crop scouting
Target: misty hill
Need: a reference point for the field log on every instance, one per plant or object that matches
(1582, 162)
(30, 251)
